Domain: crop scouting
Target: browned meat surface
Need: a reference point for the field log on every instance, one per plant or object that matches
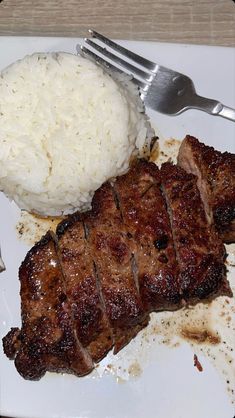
(147, 223)
(92, 326)
(12, 343)
(199, 250)
(112, 255)
(146, 245)
(216, 181)
(47, 340)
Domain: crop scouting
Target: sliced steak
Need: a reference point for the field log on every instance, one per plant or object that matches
(199, 250)
(92, 325)
(147, 245)
(216, 181)
(146, 220)
(47, 341)
(112, 255)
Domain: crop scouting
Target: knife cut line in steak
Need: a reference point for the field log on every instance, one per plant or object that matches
(110, 248)
(47, 340)
(92, 325)
(200, 253)
(215, 171)
(145, 246)
(147, 223)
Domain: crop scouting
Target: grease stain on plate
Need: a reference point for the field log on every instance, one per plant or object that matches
(208, 328)
(30, 228)
(168, 151)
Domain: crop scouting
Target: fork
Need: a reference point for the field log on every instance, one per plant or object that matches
(161, 89)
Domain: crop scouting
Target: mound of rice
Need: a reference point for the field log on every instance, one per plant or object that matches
(66, 126)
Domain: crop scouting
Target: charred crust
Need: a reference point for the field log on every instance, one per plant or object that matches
(161, 243)
(67, 223)
(171, 173)
(143, 167)
(44, 241)
(211, 157)
(11, 343)
(30, 368)
(122, 309)
(162, 294)
(203, 280)
(224, 215)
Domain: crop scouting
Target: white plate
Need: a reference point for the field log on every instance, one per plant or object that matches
(169, 385)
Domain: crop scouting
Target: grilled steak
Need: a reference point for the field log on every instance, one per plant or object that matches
(92, 326)
(147, 244)
(113, 260)
(147, 223)
(47, 340)
(216, 181)
(199, 250)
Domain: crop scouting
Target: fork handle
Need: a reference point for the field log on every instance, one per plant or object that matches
(227, 112)
(213, 107)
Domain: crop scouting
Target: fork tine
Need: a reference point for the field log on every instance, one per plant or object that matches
(117, 60)
(129, 54)
(107, 65)
(97, 58)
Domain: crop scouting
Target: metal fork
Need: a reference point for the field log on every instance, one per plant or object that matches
(162, 89)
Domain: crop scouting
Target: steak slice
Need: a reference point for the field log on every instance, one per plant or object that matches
(146, 220)
(92, 326)
(199, 250)
(111, 252)
(47, 341)
(216, 181)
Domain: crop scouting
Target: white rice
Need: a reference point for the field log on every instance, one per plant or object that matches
(66, 126)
